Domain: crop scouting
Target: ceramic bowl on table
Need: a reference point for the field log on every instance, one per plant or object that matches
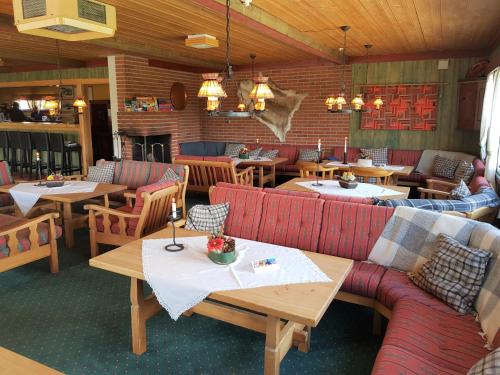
(348, 184)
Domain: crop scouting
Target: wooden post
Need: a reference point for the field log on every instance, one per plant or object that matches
(85, 131)
(272, 352)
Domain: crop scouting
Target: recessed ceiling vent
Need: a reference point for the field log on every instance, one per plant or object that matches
(70, 20)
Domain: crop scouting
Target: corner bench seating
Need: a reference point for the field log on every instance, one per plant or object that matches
(424, 335)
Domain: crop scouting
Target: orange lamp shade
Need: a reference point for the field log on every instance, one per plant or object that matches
(261, 89)
(358, 102)
(241, 107)
(330, 102)
(52, 106)
(378, 102)
(340, 101)
(80, 104)
(211, 87)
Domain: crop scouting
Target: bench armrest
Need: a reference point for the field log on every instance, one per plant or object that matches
(430, 193)
(245, 177)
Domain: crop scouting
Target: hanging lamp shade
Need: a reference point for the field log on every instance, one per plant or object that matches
(330, 102)
(340, 101)
(211, 86)
(242, 107)
(52, 106)
(261, 89)
(357, 103)
(80, 104)
(378, 102)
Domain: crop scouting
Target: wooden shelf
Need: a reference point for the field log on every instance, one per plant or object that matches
(48, 127)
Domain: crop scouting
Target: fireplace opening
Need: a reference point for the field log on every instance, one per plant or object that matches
(151, 148)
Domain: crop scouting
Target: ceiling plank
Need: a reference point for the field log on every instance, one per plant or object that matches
(273, 27)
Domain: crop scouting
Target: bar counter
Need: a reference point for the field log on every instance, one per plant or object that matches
(49, 127)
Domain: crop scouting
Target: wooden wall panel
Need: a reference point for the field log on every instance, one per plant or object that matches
(42, 75)
(446, 136)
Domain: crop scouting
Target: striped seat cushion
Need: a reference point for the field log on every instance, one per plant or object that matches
(5, 174)
(115, 228)
(350, 230)
(363, 279)
(426, 341)
(132, 173)
(291, 221)
(245, 209)
(305, 194)
(345, 198)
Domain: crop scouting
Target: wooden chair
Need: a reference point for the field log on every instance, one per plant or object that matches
(309, 168)
(203, 174)
(382, 176)
(25, 233)
(118, 227)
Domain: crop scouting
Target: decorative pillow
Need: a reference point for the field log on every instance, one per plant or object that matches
(464, 171)
(207, 218)
(444, 167)
(233, 149)
(378, 155)
(270, 154)
(308, 155)
(461, 191)
(454, 273)
(170, 175)
(255, 153)
(488, 365)
(101, 174)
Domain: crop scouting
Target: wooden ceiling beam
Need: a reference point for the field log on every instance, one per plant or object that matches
(272, 27)
(418, 56)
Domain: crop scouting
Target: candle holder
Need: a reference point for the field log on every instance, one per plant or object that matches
(174, 246)
(345, 158)
(317, 183)
(39, 172)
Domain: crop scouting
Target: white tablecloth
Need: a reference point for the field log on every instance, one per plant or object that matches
(183, 279)
(386, 167)
(27, 194)
(238, 160)
(362, 190)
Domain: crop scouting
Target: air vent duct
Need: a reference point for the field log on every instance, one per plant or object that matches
(70, 20)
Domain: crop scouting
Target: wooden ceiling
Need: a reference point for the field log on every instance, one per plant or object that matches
(277, 30)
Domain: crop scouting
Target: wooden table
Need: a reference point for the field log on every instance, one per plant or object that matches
(15, 364)
(260, 165)
(291, 185)
(285, 314)
(406, 171)
(70, 220)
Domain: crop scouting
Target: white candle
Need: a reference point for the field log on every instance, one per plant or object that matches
(37, 156)
(319, 144)
(257, 140)
(174, 209)
(345, 144)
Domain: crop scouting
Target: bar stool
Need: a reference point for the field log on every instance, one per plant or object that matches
(20, 145)
(65, 149)
(40, 142)
(4, 145)
(70, 148)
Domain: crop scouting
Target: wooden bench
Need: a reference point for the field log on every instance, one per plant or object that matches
(204, 174)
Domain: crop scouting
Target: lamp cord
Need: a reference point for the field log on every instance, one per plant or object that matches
(59, 74)
(229, 72)
(343, 61)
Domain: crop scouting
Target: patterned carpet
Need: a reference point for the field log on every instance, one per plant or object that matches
(78, 322)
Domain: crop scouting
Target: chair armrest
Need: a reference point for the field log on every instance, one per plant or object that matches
(14, 227)
(110, 211)
(431, 182)
(429, 193)
(245, 177)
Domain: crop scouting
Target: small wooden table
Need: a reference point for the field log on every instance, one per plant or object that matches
(260, 164)
(70, 220)
(285, 314)
(291, 185)
(15, 364)
(406, 171)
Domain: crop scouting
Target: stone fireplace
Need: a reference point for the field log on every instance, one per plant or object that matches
(150, 147)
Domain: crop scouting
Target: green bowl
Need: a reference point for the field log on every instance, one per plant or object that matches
(222, 258)
(244, 156)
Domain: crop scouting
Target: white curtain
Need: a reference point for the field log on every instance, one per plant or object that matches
(490, 126)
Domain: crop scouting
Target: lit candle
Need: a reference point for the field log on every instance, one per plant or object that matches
(37, 156)
(257, 140)
(345, 144)
(174, 209)
(319, 144)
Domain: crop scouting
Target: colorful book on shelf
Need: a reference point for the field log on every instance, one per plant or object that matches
(164, 105)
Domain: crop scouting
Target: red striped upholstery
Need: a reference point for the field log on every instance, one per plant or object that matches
(245, 209)
(422, 340)
(396, 285)
(187, 157)
(115, 229)
(405, 157)
(305, 194)
(139, 202)
(477, 183)
(234, 186)
(6, 200)
(291, 221)
(350, 230)
(158, 170)
(133, 173)
(363, 279)
(342, 198)
(352, 153)
(5, 175)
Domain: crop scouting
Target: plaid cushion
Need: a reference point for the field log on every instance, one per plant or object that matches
(101, 174)
(454, 273)
(207, 218)
(461, 191)
(270, 154)
(444, 167)
(5, 175)
(233, 149)
(488, 365)
(308, 155)
(464, 171)
(255, 153)
(485, 197)
(170, 175)
(378, 155)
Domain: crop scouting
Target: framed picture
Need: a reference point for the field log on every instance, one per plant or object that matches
(67, 105)
(67, 92)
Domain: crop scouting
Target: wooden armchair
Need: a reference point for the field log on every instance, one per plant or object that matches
(309, 168)
(203, 174)
(120, 226)
(36, 237)
(382, 176)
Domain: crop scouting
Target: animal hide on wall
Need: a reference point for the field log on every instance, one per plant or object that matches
(279, 111)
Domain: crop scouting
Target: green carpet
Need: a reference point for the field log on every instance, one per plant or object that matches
(78, 322)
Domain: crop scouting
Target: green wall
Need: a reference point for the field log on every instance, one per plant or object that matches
(97, 72)
(446, 136)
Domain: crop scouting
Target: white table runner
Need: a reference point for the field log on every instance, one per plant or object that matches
(386, 167)
(27, 194)
(238, 160)
(332, 187)
(181, 280)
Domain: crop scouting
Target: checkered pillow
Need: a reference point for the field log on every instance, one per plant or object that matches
(378, 155)
(207, 218)
(255, 153)
(454, 273)
(170, 175)
(233, 149)
(444, 167)
(308, 155)
(488, 365)
(270, 154)
(103, 173)
(461, 191)
(464, 171)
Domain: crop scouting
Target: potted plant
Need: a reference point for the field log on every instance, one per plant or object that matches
(348, 180)
(221, 249)
(244, 153)
(364, 160)
(54, 180)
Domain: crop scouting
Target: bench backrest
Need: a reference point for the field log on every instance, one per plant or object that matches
(204, 174)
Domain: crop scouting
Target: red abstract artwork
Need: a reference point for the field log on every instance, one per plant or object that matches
(406, 107)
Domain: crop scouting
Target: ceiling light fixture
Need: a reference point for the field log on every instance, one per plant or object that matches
(80, 104)
(246, 2)
(336, 104)
(201, 41)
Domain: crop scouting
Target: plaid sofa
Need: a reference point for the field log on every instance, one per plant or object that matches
(422, 331)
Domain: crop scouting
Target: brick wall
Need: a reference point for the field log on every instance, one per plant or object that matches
(134, 77)
(310, 122)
